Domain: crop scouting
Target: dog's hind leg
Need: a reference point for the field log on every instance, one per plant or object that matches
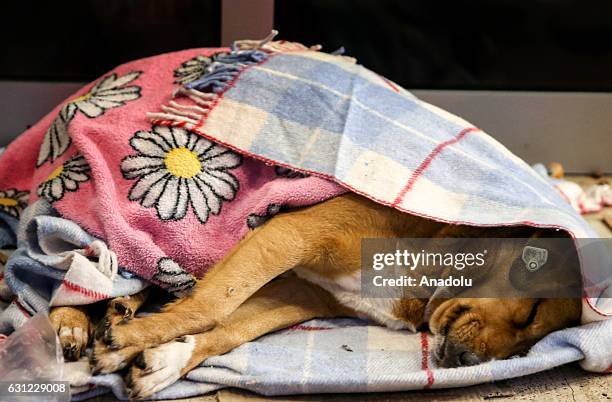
(282, 243)
(124, 308)
(73, 326)
(280, 304)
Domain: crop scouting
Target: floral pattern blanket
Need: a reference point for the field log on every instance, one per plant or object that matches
(166, 201)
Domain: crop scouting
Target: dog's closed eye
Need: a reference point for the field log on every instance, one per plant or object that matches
(454, 314)
(531, 317)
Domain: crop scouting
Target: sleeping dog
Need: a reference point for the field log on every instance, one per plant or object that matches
(301, 264)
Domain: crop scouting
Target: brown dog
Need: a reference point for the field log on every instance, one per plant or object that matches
(240, 300)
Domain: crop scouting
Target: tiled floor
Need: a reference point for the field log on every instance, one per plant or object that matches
(567, 383)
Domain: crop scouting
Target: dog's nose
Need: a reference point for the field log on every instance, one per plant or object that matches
(469, 359)
(456, 355)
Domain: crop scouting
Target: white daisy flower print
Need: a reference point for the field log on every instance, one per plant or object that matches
(66, 177)
(176, 168)
(56, 139)
(193, 69)
(172, 277)
(13, 201)
(110, 92)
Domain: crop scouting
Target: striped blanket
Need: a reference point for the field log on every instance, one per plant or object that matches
(340, 355)
(310, 114)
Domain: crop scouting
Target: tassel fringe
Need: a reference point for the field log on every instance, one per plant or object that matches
(223, 69)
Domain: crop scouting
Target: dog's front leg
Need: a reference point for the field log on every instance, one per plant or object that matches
(280, 304)
(269, 251)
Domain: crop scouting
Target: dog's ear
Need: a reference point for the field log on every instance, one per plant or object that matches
(549, 315)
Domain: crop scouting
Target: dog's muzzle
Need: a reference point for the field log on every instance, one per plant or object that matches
(450, 354)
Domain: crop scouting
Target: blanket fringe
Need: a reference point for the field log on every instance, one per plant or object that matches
(107, 259)
(248, 44)
(219, 71)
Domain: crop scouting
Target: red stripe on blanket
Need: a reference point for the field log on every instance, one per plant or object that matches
(87, 292)
(89, 251)
(609, 369)
(427, 161)
(396, 89)
(22, 309)
(307, 328)
(425, 360)
(1, 276)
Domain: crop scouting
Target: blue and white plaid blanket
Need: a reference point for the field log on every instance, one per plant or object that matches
(324, 114)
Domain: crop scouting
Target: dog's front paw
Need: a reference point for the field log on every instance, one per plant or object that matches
(156, 368)
(104, 360)
(154, 329)
(119, 312)
(72, 327)
(118, 333)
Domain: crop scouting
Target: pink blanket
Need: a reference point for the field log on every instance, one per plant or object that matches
(167, 201)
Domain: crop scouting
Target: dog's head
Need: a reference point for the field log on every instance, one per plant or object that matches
(525, 297)
(471, 331)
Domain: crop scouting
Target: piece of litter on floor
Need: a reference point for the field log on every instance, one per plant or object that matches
(347, 348)
(496, 395)
(555, 170)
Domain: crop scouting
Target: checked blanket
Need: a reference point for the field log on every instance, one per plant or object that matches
(326, 115)
(132, 175)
